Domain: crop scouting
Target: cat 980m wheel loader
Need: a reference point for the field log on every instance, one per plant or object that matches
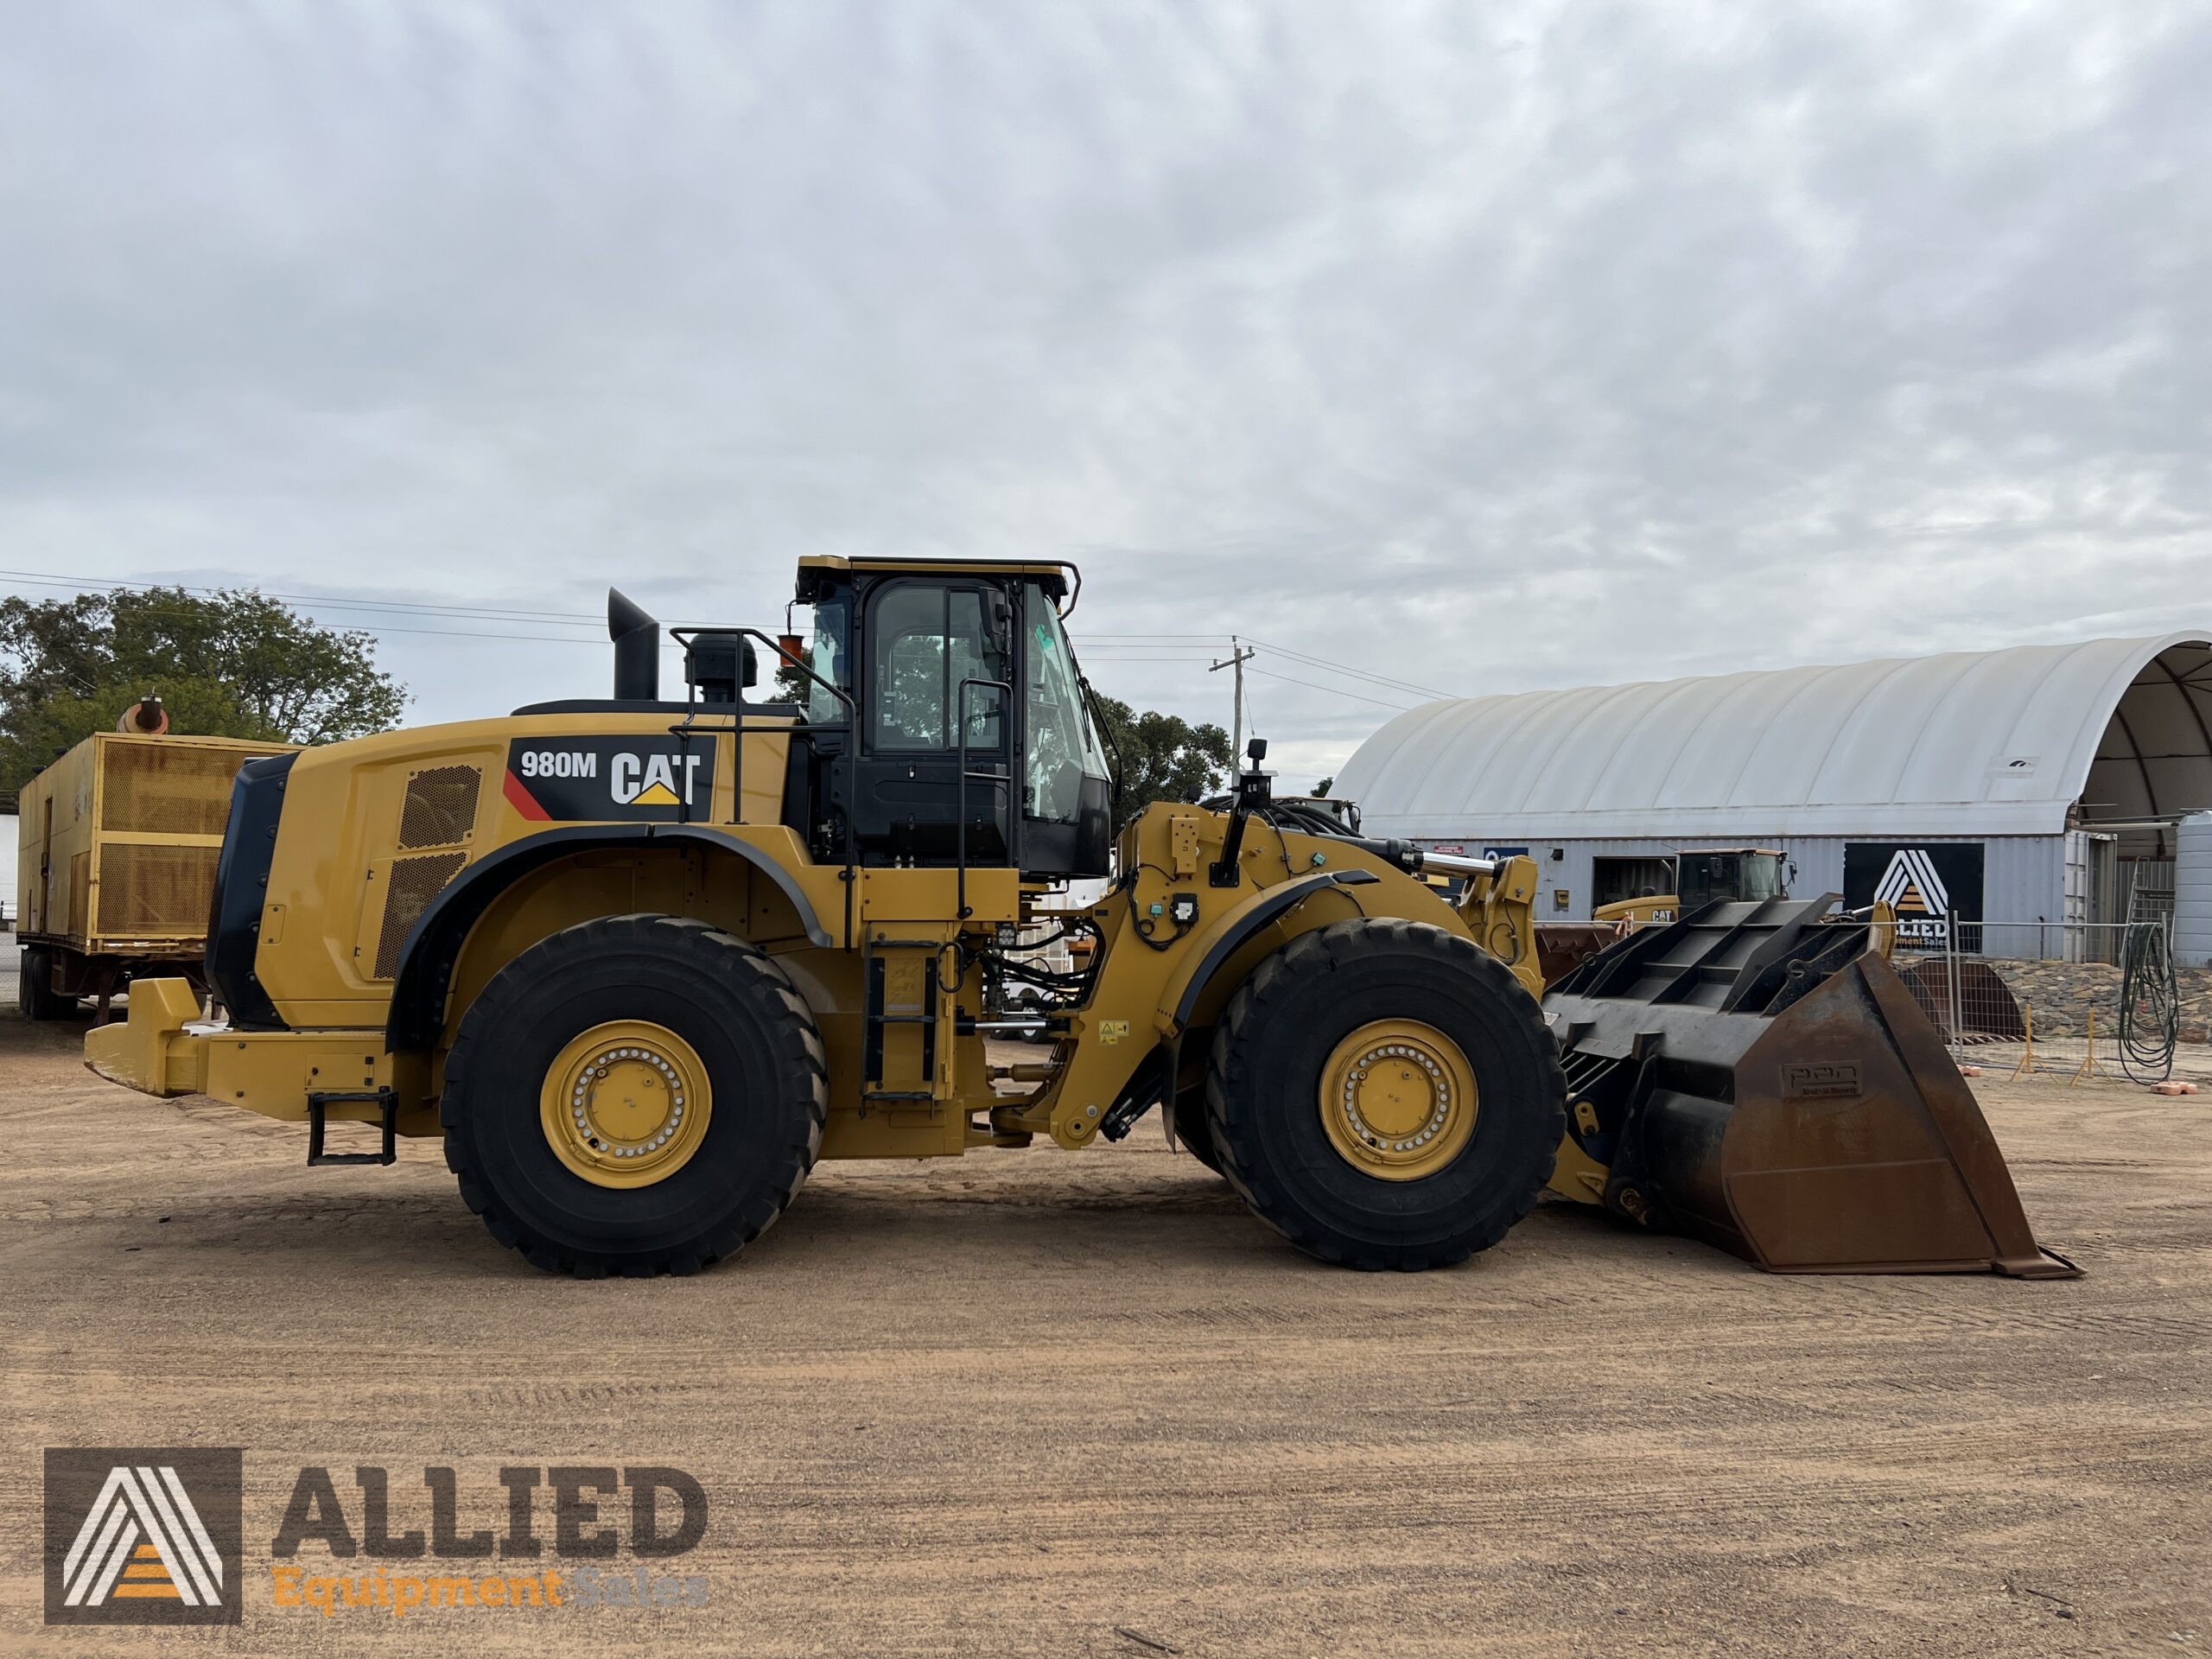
(641, 962)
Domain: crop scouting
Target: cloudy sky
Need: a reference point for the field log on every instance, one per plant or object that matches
(1466, 347)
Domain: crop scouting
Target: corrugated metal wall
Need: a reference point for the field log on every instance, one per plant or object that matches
(2193, 892)
(2024, 877)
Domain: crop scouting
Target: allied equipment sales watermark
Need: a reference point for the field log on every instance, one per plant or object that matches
(144, 1535)
(501, 1567)
(154, 1536)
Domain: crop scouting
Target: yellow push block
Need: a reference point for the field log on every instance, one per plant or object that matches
(151, 1051)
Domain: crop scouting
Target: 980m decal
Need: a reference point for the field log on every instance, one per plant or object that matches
(623, 779)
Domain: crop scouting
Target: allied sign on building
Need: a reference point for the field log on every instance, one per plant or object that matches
(1928, 884)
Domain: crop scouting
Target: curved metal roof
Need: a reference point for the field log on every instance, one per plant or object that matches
(1990, 742)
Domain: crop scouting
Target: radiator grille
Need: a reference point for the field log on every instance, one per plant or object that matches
(155, 789)
(79, 918)
(440, 807)
(413, 884)
(155, 892)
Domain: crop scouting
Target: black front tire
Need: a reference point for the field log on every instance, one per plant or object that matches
(1263, 1082)
(726, 998)
(1193, 1131)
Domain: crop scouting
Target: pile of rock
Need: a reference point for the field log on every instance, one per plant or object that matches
(2060, 995)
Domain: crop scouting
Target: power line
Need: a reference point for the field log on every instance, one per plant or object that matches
(379, 630)
(42, 579)
(1288, 679)
(1307, 657)
(440, 633)
(1357, 673)
(1238, 656)
(1109, 647)
(1333, 690)
(1099, 654)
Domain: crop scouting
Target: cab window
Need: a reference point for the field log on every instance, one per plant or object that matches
(826, 657)
(923, 640)
(1062, 748)
(1706, 876)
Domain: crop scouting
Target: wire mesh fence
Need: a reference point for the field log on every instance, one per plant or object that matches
(2103, 941)
(2086, 998)
(2076, 1000)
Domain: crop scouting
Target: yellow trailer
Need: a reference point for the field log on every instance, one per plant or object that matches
(116, 863)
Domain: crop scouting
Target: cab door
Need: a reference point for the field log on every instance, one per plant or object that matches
(935, 656)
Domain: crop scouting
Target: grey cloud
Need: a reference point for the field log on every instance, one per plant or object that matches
(1483, 347)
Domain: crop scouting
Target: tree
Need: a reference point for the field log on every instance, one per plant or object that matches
(1162, 757)
(234, 664)
(1321, 789)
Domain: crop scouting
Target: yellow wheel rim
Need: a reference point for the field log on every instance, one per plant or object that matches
(1398, 1100)
(626, 1104)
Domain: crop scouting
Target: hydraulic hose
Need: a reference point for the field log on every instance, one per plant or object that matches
(2150, 1004)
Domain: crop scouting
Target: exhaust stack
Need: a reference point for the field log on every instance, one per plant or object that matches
(637, 649)
(144, 718)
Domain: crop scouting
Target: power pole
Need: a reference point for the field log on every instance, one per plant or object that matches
(1238, 656)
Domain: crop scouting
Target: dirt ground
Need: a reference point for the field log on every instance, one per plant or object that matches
(1048, 1403)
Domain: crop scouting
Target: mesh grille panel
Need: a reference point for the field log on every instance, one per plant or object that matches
(414, 883)
(155, 789)
(78, 918)
(155, 892)
(441, 806)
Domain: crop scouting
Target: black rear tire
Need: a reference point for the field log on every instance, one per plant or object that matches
(35, 992)
(762, 1054)
(1263, 1081)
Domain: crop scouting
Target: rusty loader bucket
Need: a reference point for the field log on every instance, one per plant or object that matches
(1761, 1079)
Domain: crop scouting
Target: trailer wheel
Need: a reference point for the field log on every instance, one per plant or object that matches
(637, 1095)
(35, 992)
(1385, 1095)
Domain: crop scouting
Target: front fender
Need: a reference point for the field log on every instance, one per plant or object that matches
(1235, 929)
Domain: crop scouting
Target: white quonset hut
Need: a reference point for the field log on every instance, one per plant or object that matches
(2036, 785)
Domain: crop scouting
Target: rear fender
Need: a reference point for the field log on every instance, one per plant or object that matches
(434, 946)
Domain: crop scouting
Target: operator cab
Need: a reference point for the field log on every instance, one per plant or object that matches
(1735, 872)
(969, 734)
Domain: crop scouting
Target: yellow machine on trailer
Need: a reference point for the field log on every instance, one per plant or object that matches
(641, 962)
(116, 860)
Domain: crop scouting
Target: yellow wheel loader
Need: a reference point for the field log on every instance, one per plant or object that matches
(1701, 876)
(641, 962)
